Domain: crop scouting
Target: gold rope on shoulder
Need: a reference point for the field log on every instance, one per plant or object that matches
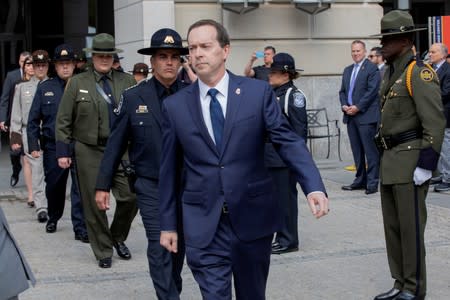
(408, 77)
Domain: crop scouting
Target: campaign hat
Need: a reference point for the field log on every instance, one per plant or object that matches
(164, 38)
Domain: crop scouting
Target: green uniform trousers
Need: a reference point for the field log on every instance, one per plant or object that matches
(101, 237)
(404, 217)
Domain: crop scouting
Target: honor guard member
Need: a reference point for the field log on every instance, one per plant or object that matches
(138, 127)
(23, 98)
(43, 116)
(293, 105)
(409, 137)
(88, 107)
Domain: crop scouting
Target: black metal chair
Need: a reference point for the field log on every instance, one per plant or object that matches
(319, 128)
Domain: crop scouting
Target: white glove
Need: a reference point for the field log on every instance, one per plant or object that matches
(421, 175)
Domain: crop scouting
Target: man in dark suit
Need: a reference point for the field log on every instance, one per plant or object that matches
(12, 78)
(216, 129)
(138, 127)
(361, 106)
(438, 53)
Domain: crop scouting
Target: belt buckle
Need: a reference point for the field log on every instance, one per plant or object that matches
(225, 208)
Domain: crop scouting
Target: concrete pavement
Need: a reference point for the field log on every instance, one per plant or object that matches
(342, 256)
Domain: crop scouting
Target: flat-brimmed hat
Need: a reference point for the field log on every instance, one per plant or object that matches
(103, 43)
(140, 68)
(40, 56)
(80, 56)
(397, 22)
(284, 62)
(63, 52)
(165, 38)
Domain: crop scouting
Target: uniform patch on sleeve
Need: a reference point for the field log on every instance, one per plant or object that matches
(299, 99)
(426, 75)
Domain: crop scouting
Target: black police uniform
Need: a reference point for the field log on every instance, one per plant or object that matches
(284, 180)
(138, 128)
(44, 109)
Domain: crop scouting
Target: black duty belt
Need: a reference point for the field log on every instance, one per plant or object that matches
(390, 141)
(102, 141)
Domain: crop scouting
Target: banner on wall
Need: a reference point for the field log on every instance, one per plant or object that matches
(439, 30)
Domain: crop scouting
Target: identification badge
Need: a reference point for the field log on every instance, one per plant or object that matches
(49, 94)
(142, 109)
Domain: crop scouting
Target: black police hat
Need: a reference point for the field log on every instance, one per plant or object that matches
(140, 68)
(63, 52)
(284, 62)
(165, 38)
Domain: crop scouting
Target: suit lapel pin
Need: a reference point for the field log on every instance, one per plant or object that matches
(238, 91)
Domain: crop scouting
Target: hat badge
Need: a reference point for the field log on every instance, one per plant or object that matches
(286, 67)
(402, 28)
(40, 56)
(169, 40)
(64, 52)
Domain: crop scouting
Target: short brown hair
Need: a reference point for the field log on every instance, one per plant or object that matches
(222, 34)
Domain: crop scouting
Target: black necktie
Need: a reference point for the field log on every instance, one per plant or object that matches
(217, 118)
(108, 91)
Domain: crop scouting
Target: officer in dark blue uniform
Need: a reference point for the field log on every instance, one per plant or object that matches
(138, 126)
(44, 109)
(293, 104)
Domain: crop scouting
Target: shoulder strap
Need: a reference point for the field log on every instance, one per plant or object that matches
(286, 101)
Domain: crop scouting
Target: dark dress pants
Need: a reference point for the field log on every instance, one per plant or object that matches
(76, 212)
(286, 191)
(165, 268)
(363, 148)
(226, 256)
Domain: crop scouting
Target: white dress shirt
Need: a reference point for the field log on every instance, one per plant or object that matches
(205, 100)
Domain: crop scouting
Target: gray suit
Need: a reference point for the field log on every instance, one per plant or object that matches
(12, 78)
(14, 269)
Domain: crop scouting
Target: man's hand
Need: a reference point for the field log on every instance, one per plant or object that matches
(16, 147)
(64, 162)
(318, 203)
(352, 110)
(3, 127)
(102, 200)
(169, 240)
(36, 154)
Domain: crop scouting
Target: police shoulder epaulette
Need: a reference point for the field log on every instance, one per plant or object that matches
(131, 87)
(45, 80)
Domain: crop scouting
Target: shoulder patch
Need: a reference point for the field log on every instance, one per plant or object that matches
(426, 75)
(299, 99)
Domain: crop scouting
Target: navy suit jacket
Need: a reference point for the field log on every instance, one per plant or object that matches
(235, 174)
(444, 81)
(365, 93)
(12, 78)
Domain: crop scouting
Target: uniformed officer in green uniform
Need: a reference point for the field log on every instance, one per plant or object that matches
(409, 138)
(87, 108)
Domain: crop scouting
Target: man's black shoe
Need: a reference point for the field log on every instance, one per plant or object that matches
(42, 216)
(389, 295)
(83, 237)
(282, 249)
(353, 187)
(408, 296)
(105, 262)
(371, 191)
(14, 179)
(50, 227)
(122, 250)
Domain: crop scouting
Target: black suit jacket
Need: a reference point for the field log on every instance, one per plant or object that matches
(444, 81)
(12, 78)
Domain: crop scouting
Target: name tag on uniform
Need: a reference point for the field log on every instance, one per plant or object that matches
(49, 94)
(142, 109)
(84, 91)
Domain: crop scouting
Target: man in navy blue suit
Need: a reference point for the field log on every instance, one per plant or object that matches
(214, 132)
(361, 106)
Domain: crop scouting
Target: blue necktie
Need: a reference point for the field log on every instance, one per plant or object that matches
(217, 118)
(352, 84)
(112, 103)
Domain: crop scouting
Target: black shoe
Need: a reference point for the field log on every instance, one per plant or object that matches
(282, 249)
(42, 217)
(389, 295)
(122, 250)
(371, 191)
(105, 262)
(435, 180)
(50, 227)
(83, 237)
(442, 187)
(30, 204)
(353, 187)
(14, 179)
(408, 296)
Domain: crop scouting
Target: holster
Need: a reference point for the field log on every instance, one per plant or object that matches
(130, 173)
